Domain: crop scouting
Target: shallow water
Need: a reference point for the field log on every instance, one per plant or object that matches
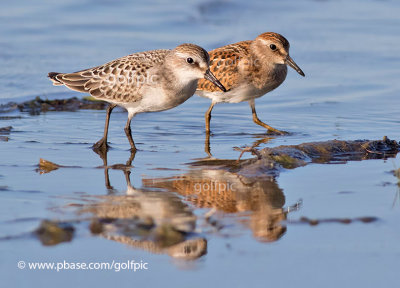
(349, 53)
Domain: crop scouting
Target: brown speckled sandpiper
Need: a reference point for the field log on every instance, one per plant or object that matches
(248, 70)
(142, 82)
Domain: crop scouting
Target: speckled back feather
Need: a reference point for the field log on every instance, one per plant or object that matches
(113, 80)
(224, 65)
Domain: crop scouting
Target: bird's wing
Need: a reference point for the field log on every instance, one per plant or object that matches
(224, 64)
(118, 80)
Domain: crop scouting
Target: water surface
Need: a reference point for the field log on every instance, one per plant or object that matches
(349, 53)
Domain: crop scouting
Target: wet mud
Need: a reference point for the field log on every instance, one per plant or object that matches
(39, 105)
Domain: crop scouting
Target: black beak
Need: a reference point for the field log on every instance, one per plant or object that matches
(210, 77)
(293, 64)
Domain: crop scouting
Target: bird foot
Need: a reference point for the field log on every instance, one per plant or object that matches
(276, 132)
(100, 146)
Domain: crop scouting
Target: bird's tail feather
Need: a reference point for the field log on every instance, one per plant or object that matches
(53, 78)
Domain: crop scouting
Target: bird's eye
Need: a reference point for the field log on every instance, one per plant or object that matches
(273, 47)
(190, 60)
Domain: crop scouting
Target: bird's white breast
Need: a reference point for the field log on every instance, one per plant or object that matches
(158, 98)
(243, 92)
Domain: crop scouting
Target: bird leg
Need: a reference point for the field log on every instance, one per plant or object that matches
(270, 130)
(128, 133)
(208, 117)
(101, 145)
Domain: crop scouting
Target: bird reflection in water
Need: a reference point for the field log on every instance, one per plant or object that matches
(258, 203)
(156, 221)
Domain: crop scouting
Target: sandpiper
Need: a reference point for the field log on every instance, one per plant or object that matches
(142, 82)
(248, 70)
